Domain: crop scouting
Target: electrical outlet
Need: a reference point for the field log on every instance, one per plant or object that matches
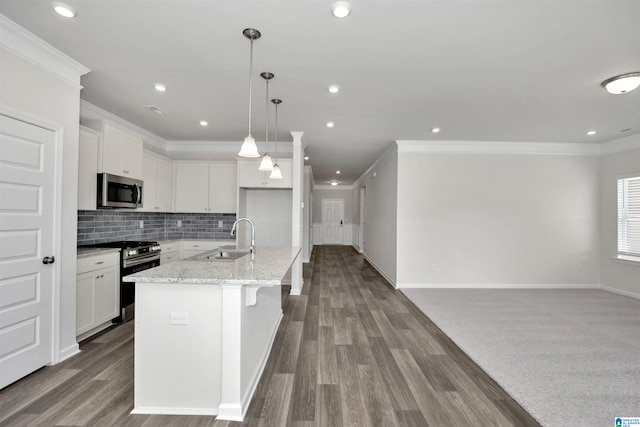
(179, 319)
(141, 224)
(179, 223)
(220, 224)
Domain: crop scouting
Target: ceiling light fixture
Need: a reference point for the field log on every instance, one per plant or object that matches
(591, 132)
(334, 89)
(435, 130)
(266, 164)
(65, 10)
(249, 148)
(276, 173)
(338, 172)
(203, 123)
(156, 109)
(307, 157)
(330, 124)
(341, 9)
(623, 83)
(334, 183)
(160, 87)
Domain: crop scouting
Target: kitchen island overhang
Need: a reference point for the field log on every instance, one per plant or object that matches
(204, 330)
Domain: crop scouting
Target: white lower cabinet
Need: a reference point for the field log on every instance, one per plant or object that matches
(169, 252)
(97, 293)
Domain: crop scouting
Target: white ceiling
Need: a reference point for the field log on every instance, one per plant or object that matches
(482, 70)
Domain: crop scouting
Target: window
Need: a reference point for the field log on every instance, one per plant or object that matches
(629, 218)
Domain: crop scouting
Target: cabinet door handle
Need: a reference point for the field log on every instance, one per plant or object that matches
(100, 276)
(99, 262)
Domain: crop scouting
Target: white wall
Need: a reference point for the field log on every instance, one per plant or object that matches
(497, 219)
(623, 276)
(307, 246)
(381, 182)
(32, 90)
(270, 210)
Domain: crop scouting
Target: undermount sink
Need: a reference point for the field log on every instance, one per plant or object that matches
(226, 254)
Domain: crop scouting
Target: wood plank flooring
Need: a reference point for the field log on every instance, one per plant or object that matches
(350, 351)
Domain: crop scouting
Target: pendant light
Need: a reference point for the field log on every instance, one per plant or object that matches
(276, 173)
(267, 164)
(249, 148)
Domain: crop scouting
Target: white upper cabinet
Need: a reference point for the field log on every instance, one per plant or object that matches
(250, 177)
(87, 168)
(207, 187)
(120, 151)
(157, 175)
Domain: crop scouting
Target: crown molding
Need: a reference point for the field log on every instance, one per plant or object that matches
(391, 149)
(152, 141)
(22, 43)
(631, 142)
(499, 147)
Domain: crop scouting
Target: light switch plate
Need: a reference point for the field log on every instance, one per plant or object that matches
(179, 319)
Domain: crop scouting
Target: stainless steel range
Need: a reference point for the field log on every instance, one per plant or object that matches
(135, 256)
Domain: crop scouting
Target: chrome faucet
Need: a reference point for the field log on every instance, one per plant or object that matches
(252, 247)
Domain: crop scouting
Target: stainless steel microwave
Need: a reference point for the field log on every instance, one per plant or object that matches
(119, 191)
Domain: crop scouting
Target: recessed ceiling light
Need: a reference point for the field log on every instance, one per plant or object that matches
(65, 10)
(591, 132)
(203, 123)
(330, 124)
(341, 9)
(435, 130)
(338, 172)
(160, 87)
(623, 83)
(334, 183)
(306, 157)
(334, 88)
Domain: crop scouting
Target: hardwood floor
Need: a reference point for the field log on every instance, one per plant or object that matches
(350, 351)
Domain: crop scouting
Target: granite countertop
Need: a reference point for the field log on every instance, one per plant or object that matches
(268, 267)
(84, 252)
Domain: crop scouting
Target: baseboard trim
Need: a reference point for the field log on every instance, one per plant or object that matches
(379, 270)
(620, 291)
(174, 411)
(68, 352)
(494, 286)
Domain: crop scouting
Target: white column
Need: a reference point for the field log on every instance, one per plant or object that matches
(296, 215)
(231, 398)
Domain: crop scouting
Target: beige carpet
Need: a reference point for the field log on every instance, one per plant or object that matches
(569, 357)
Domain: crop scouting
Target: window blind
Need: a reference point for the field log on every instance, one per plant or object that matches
(629, 216)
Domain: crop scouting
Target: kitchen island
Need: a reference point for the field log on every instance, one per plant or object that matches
(204, 328)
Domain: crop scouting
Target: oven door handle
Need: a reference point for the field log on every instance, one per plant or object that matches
(141, 260)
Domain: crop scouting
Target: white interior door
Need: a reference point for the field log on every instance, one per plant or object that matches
(27, 161)
(332, 221)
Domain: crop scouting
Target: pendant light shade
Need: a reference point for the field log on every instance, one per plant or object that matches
(276, 173)
(266, 164)
(249, 148)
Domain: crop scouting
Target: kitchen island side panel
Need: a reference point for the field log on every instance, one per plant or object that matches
(177, 366)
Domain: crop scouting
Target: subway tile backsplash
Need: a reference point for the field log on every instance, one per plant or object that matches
(107, 225)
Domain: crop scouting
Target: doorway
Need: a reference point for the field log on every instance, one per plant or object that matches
(27, 229)
(332, 221)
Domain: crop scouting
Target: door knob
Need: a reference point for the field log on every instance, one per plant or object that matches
(48, 260)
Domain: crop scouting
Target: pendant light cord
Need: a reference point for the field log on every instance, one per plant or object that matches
(276, 134)
(267, 105)
(250, 73)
